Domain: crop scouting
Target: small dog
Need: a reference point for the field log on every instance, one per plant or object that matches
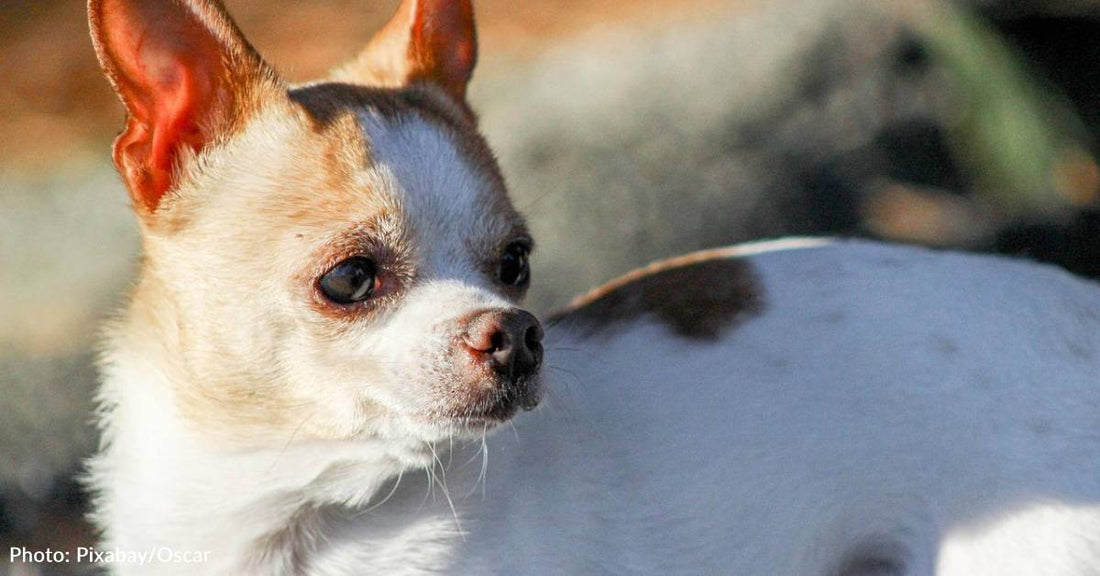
(326, 325)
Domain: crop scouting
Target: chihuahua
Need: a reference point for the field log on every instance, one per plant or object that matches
(326, 328)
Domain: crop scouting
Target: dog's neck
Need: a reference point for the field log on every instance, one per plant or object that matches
(163, 483)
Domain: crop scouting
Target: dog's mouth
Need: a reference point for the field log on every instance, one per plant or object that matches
(499, 404)
(524, 395)
(475, 391)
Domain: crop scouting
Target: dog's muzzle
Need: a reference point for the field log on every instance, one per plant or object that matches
(509, 343)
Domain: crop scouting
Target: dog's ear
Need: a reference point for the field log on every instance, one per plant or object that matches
(426, 40)
(187, 78)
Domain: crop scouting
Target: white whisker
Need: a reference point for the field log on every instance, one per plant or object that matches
(393, 491)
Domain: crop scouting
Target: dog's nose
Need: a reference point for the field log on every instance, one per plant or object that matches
(510, 339)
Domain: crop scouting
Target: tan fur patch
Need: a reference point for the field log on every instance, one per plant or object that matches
(697, 296)
(325, 102)
(304, 215)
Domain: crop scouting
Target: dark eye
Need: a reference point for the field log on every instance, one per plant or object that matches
(514, 269)
(352, 280)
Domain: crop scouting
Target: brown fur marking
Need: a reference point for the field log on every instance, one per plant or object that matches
(697, 296)
(326, 102)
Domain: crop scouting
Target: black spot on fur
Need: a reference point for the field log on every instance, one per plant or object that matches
(696, 300)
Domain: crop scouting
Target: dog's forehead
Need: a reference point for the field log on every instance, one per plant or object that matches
(427, 151)
(427, 126)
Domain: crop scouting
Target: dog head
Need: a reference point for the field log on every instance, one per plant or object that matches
(338, 258)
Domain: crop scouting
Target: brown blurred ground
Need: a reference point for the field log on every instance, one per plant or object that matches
(55, 101)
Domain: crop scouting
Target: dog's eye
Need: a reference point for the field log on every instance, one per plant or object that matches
(514, 269)
(352, 280)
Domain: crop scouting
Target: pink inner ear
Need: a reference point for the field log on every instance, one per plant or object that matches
(156, 135)
(185, 99)
(170, 70)
(443, 44)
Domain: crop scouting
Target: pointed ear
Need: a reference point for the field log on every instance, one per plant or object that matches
(426, 40)
(187, 78)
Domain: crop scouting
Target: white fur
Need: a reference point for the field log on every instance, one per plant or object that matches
(890, 408)
(442, 194)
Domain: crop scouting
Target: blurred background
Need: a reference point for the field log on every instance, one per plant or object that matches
(629, 130)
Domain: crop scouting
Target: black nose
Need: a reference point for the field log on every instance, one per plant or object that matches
(512, 341)
(516, 345)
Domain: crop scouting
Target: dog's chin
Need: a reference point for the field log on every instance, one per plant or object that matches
(474, 418)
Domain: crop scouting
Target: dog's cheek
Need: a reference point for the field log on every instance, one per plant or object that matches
(332, 382)
(358, 377)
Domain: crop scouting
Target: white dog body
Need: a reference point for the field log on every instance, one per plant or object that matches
(888, 410)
